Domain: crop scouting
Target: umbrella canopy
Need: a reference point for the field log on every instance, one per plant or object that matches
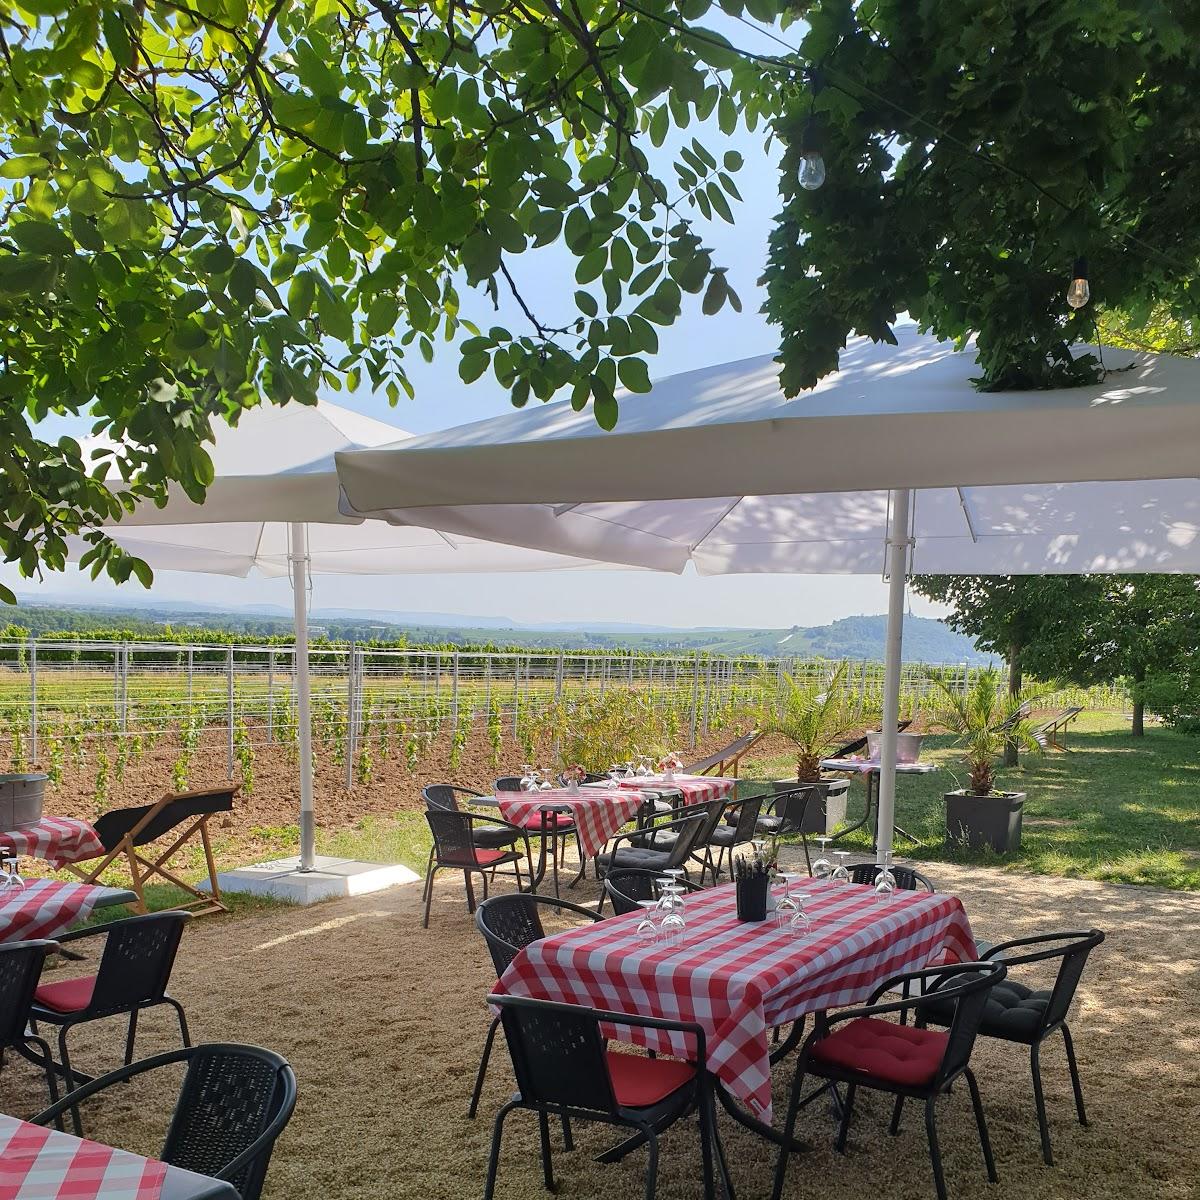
(718, 468)
(276, 467)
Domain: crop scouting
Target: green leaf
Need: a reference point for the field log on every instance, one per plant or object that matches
(243, 281)
(590, 265)
(634, 374)
(301, 294)
(382, 315)
(605, 407)
(22, 166)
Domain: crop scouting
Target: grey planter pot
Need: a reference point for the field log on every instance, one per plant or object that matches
(826, 816)
(979, 822)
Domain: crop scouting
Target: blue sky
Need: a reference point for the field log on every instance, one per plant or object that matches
(442, 401)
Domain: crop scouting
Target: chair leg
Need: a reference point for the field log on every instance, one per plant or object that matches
(706, 1152)
(51, 1082)
(428, 896)
(568, 1138)
(897, 1110)
(471, 889)
(132, 1034)
(1075, 1084)
(789, 1127)
(981, 1121)
(547, 1161)
(68, 1078)
(844, 1127)
(489, 1188)
(804, 844)
(935, 1154)
(483, 1065)
(1039, 1101)
(651, 1166)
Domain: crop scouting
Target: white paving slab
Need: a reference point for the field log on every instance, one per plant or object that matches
(330, 878)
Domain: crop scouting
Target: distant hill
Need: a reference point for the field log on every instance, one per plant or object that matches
(861, 637)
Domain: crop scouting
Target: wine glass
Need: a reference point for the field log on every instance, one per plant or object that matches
(674, 875)
(785, 906)
(5, 878)
(15, 882)
(616, 774)
(647, 926)
(759, 845)
(673, 925)
(840, 873)
(801, 921)
(526, 777)
(885, 881)
(822, 867)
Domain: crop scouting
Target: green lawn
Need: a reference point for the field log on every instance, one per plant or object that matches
(1114, 807)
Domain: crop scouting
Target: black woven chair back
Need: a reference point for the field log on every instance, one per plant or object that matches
(791, 807)
(20, 970)
(968, 984)
(508, 783)
(1072, 949)
(558, 1054)
(112, 826)
(136, 963)
(452, 841)
(628, 885)
(688, 839)
(230, 1096)
(907, 880)
(711, 812)
(588, 777)
(440, 795)
(511, 922)
(747, 819)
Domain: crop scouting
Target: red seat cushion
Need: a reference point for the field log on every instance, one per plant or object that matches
(639, 1082)
(68, 995)
(483, 858)
(554, 820)
(882, 1050)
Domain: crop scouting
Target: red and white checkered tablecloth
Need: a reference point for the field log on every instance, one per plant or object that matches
(598, 812)
(59, 840)
(44, 908)
(739, 980)
(696, 789)
(44, 1164)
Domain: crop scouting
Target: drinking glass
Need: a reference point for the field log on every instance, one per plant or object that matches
(759, 844)
(5, 881)
(674, 874)
(885, 881)
(647, 927)
(822, 867)
(840, 873)
(672, 926)
(785, 906)
(529, 778)
(801, 921)
(15, 882)
(616, 774)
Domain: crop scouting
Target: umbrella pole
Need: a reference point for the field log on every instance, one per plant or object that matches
(898, 545)
(298, 557)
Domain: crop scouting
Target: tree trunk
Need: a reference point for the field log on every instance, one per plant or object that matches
(1139, 705)
(1014, 689)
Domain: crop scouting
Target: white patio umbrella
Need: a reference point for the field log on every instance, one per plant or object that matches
(719, 468)
(273, 508)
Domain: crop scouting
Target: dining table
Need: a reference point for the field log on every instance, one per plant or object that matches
(44, 908)
(870, 769)
(741, 980)
(596, 813)
(691, 789)
(61, 841)
(38, 1163)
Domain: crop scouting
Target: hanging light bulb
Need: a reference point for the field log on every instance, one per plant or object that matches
(812, 165)
(1079, 293)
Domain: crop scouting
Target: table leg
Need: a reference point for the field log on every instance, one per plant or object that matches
(867, 812)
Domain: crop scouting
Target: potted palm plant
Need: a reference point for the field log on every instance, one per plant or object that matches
(815, 718)
(984, 718)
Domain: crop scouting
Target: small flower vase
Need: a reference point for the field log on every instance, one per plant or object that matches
(752, 898)
(573, 785)
(668, 775)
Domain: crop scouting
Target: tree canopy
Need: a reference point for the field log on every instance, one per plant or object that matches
(208, 204)
(973, 153)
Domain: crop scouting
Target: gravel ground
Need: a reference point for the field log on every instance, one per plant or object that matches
(384, 1021)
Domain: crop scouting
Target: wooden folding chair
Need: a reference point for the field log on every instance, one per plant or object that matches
(125, 831)
(725, 761)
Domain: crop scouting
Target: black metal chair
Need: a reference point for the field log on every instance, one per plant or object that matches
(728, 837)
(856, 1048)
(497, 835)
(454, 848)
(783, 815)
(233, 1104)
(132, 976)
(638, 849)
(20, 968)
(1017, 1013)
(564, 1067)
(907, 878)
(508, 925)
(626, 886)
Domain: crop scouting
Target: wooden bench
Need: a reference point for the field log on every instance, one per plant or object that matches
(125, 832)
